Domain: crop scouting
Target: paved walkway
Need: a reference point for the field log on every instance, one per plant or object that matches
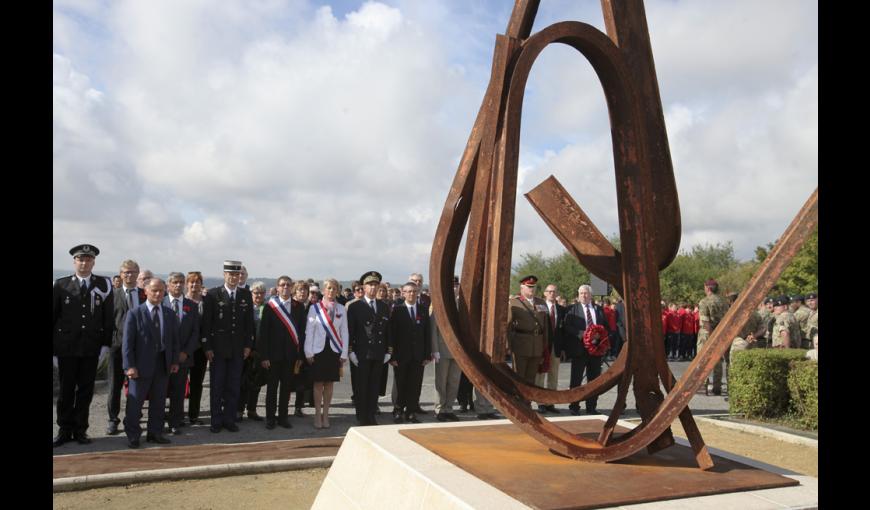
(341, 418)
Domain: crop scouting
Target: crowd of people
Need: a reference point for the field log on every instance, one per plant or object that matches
(162, 337)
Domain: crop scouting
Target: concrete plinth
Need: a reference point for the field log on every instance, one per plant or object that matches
(379, 467)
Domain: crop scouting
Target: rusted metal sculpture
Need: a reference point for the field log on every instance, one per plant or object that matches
(482, 196)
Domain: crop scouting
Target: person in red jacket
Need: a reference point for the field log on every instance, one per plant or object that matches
(672, 334)
(687, 333)
(697, 328)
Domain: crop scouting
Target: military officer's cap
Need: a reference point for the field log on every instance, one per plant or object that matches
(232, 266)
(530, 280)
(797, 297)
(812, 295)
(371, 277)
(711, 283)
(84, 249)
(768, 300)
(781, 300)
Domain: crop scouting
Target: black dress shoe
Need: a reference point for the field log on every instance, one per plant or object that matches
(156, 438)
(215, 428)
(112, 429)
(463, 409)
(61, 438)
(240, 416)
(592, 411)
(195, 421)
(285, 423)
(552, 409)
(420, 410)
(298, 413)
(487, 416)
(175, 431)
(575, 411)
(397, 418)
(232, 427)
(133, 442)
(451, 417)
(270, 424)
(442, 417)
(255, 416)
(410, 418)
(82, 438)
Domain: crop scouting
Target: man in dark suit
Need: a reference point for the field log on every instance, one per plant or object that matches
(555, 326)
(369, 346)
(576, 320)
(187, 313)
(127, 297)
(412, 341)
(228, 337)
(81, 317)
(150, 353)
(280, 346)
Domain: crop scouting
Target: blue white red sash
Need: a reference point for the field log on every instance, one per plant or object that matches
(284, 315)
(323, 317)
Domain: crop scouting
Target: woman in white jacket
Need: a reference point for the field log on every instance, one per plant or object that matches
(326, 348)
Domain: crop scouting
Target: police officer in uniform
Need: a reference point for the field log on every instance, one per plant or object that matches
(228, 337)
(527, 331)
(711, 309)
(369, 346)
(82, 320)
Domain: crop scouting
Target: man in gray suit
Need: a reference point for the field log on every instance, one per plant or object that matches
(187, 313)
(127, 297)
(150, 353)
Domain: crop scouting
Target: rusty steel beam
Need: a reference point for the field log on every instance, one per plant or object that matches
(482, 197)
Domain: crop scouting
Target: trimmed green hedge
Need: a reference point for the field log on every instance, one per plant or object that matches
(758, 381)
(803, 388)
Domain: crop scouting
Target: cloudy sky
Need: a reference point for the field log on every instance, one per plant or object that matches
(320, 139)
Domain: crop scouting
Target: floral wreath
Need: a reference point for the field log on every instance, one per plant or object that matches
(595, 340)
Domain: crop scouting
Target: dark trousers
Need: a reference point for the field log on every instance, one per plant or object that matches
(672, 344)
(197, 376)
(76, 375)
(153, 388)
(177, 385)
(225, 379)
(116, 383)
(385, 373)
(687, 341)
(353, 379)
(615, 343)
(368, 385)
(464, 395)
(591, 366)
(409, 381)
(249, 392)
(278, 389)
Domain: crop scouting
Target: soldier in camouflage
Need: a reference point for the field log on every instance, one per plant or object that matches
(801, 314)
(755, 327)
(766, 313)
(812, 324)
(786, 333)
(711, 309)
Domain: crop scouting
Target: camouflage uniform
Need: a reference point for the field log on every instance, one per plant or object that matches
(801, 315)
(711, 309)
(812, 326)
(767, 320)
(526, 335)
(785, 321)
(752, 325)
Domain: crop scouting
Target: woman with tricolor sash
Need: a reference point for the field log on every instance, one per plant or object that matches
(326, 348)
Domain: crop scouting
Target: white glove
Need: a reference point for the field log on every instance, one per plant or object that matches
(436, 356)
(54, 361)
(104, 351)
(386, 357)
(354, 359)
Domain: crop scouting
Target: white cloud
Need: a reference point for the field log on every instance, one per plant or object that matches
(307, 142)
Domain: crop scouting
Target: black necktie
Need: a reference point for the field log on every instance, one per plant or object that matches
(589, 321)
(411, 311)
(372, 303)
(155, 328)
(130, 298)
(84, 287)
(232, 298)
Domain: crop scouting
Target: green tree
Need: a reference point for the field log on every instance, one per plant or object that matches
(562, 270)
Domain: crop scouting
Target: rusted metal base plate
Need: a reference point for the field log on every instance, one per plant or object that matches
(513, 462)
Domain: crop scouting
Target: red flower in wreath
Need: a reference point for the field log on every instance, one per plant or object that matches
(595, 340)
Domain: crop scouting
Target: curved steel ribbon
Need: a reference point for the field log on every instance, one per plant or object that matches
(483, 194)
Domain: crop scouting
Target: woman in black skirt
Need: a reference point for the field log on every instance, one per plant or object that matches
(326, 348)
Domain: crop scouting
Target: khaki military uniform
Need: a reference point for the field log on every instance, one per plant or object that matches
(801, 315)
(767, 320)
(812, 326)
(527, 334)
(711, 309)
(785, 321)
(741, 343)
